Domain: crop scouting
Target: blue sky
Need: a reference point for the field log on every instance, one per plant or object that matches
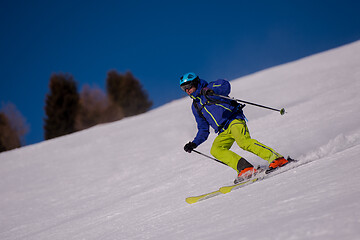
(157, 41)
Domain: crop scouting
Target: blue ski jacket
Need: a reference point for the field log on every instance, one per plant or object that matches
(212, 110)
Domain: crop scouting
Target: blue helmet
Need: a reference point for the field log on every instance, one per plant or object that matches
(188, 79)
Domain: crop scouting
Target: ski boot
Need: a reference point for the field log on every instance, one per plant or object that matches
(246, 174)
(277, 163)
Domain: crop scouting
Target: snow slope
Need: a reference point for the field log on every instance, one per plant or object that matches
(129, 179)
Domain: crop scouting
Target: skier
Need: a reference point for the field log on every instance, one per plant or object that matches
(228, 120)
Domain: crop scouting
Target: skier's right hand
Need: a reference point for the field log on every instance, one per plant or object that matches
(189, 147)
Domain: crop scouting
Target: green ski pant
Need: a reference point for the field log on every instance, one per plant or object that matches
(239, 132)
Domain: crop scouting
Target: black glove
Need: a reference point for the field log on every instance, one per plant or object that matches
(189, 147)
(207, 91)
(236, 104)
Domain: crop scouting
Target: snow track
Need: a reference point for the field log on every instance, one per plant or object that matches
(129, 179)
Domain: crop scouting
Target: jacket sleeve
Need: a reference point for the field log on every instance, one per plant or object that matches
(202, 126)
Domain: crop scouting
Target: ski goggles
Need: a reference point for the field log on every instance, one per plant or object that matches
(187, 86)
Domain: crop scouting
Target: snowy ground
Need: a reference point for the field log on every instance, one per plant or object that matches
(129, 179)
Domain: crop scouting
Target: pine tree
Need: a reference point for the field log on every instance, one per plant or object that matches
(13, 127)
(8, 136)
(95, 108)
(61, 107)
(127, 92)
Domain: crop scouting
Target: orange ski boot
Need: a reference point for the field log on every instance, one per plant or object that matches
(279, 162)
(245, 174)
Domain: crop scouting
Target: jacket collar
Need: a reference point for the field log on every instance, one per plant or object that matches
(202, 83)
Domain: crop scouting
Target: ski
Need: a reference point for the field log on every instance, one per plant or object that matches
(191, 200)
(226, 189)
(261, 176)
(222, 190)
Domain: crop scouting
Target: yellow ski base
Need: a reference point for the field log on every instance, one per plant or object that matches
(222, 190)
(228, 189)
(196, 199)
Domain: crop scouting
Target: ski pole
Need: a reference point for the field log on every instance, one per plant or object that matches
(208, 156)
(282, 111)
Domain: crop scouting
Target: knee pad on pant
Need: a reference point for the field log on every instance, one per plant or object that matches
(215, 152)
